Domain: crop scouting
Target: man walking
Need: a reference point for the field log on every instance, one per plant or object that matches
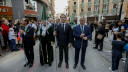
(63, 34)
(28, 41)
(81, 33)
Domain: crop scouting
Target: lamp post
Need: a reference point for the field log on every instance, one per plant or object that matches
(116, 13)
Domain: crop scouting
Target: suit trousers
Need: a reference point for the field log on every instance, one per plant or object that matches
(61, 48)
(29, 52)
(77, 52)
(99, 42)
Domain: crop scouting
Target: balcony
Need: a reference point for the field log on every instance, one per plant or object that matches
(89, 4)
(96, 3)
(105, 12)
(88, 13)
(114, 11)
(116, 1)
(82, 5)
(74, 14)
(74, 6)
(96, 12)
(106, 1)
(81, 13)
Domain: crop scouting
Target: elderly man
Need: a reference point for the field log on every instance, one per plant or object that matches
(81, 33)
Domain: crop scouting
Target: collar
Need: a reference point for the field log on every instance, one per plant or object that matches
(27, 26)
(81, 25)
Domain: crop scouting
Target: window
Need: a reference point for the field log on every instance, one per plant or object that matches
(114, 5)
(105, 7)
(82, 1)
(1, 2)
(89, 0)
(82, 10)
(89, 9)
(74, 11)
(96, 7)
(74, 3)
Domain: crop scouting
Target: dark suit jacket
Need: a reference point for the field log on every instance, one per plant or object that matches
(101, 30)
(28, 37)
(77, 32)
(64, 37)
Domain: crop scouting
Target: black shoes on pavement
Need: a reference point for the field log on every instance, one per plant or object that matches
(83, 66)
(59, 65)
(30, 65)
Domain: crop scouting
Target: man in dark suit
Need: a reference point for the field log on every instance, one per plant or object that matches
(28, 41)
(63, 34)
(81, 33)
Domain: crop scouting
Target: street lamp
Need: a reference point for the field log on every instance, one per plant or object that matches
(121, 9)
(116, 12)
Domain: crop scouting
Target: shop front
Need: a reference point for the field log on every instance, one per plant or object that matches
(31, 15)
(6, 12)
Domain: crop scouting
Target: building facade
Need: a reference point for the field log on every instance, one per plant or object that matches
(94, 10)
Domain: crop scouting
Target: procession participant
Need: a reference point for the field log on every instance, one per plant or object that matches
(46, 37)
(28, 41)
(81, 33)
(64, 38)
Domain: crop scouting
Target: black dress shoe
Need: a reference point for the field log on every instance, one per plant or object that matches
(50, 63)
(59, 65)
(67, 65)
(30, 65)
(95, 48)
(75, 65)
(26, 64)
(83, 66)
(99, 49)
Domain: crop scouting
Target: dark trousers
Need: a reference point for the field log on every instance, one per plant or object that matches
(6, 42)
(61, 54)
(115, 62)
(99, 42)
(29, 52)
(13, 44)
(47, 51)
(77, 51)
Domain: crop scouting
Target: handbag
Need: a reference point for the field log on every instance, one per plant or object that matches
(126, 47)
(100, 36)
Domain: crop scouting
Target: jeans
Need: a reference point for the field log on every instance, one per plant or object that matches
(13, 44)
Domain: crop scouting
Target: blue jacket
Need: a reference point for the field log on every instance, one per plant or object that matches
(77, 32)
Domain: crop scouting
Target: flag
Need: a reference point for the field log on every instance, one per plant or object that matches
(44, 12)
(72, 21)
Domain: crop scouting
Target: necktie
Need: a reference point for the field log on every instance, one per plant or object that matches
(63, 26)
(25, 28)
(82, 29)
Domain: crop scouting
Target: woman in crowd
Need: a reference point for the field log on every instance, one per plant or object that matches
(100, 36)
(117, 28)
(107, 29)
(5, 32)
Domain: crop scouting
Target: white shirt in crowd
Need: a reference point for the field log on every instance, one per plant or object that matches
(116, 29)
(11, 34)
(34, 26)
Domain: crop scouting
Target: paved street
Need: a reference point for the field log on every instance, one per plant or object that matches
(95, 61)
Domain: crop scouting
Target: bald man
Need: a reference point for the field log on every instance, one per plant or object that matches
(81, 33)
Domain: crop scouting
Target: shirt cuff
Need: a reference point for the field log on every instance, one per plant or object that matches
(24, 34)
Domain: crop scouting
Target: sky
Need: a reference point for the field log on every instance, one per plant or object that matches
(60, 5)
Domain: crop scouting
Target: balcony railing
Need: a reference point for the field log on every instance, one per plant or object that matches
(74, 14)
(88, 13)
(96, 2)
(74, 6)
(114, 11)
(82, 13)
(105, 12)
(89, 4)
(106, 1)
(96, 12)
(116, 1)
(82, 5)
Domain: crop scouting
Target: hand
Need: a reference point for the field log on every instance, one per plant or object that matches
(54, 33)
(69, 45)
(21, 31)
(82, 35)
(85, 38)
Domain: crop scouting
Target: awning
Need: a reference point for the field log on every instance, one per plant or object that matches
(30, 13)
